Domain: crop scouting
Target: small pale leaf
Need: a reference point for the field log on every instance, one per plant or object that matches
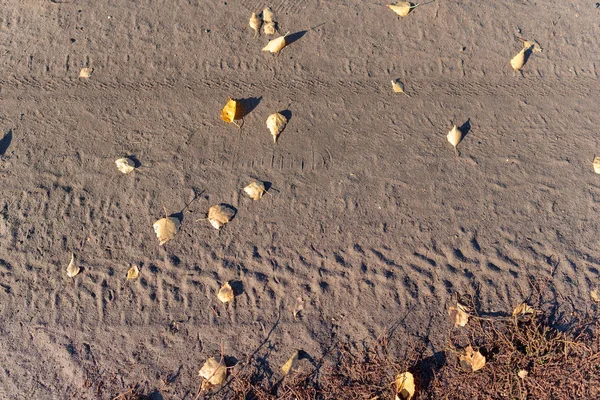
(226, 293)
(255, 23)
(213, 372)
(269, 28)
(166, 228)
(522, 374)
(405, 386)
(275, 45)
(595, 295)
(472, 360)
(255, 190)
(291, 364)
(133, 272)
(518, 61)
(454, 136)
(522, 309)
(402, 8)
(459, 315)
(276, 123)
(86, 72)
(596, 164)
(268, 15)
(72, 269)
(299, 306)
(220, 214)
(125, 165)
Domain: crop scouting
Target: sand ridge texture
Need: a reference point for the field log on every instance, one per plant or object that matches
(373, 219)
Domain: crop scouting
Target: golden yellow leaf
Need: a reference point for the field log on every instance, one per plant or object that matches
(518, 61)
(522, 374)
(522, 309)
(166, 228)
(402, 8)
(86, 72)
(405, 386)
(595, 295)
(255, 190)
(299, 306)
(125, 165)
(226, 293)
(268, 15)
(231, 111)
(398, 87)
(220, 214)
(454, 136)
(269, 28)
(276, 123)
(291, 364)
(472, 360)
(213, 372)
(275, 45)
(459, 315)
(596, 164)
(72, 269)
(133, 272)
(255, 23)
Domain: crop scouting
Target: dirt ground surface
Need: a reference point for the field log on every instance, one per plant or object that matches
(372, 218)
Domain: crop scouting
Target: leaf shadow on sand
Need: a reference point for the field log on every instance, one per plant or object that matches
(465, 128)
(247, 105)
(5, 142)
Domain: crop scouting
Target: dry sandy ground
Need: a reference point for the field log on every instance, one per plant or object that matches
(372, 218)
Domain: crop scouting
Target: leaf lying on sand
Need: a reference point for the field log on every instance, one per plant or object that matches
(275, 45)
(522, 309)
(72, 269)
(596, 164)
(226, 293)
(405, 386)
(402, 8)
(255, 190)
(255, 23)
(472, 360)
(269, 28)
(595, 295)
(212, 373)
(133, 272)
(220, 214)
(231, 111)
(291, 364)
(398, 87)
(454, 136)
(166, 228)
(459, 315)
(86, 72)
(299, 306)
(518, 61)
(276, 123)
(125, 165)
(268, 15)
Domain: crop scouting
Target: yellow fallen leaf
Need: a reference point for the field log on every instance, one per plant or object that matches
(125, 165)
(86, 72)
(405, 386)
(255, 190)
(225, 293)
(72, 269)
(454, 137)
(472, 360)
(166, 228)
(213, 373)
(595, 295)
(398, 87)
(231, 111)
(596, 164)
(518, 61)
(522, 374)
(268, 15)
(133, 272)
(255, 23)
(459, 315)
(220, 214)
(291, 364)
(402, 8)
(276, 123)
(269, 28)
(275, 45)
(522, 309)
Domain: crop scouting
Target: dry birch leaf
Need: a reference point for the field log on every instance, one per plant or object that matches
(472, 360)
(133, 272)
(255, 23)
(518, 61)
(398, 87)
(454, 137)
(268, 15)
(166, 228)
(269, 28)
(532, 45)
(125, 165)
(522, 309)
(231, 111)
(72, 269)
(405, 386)
(225, 293)
(275, 45)
(86, 72)
(596, 164)
(213, 373)
(595, 295)
(276, 123)
(522, 374)
(299, 306)
(255, 190)
(459, 315)
(291, 364)
(220, 214)
(402, 8)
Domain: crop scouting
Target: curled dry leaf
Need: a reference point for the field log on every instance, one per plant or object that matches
(522, 374)
(268, 15)
(212, 373)
(255, 190)
(72, 269)
(86, 72)
(220, 214)
(398, 87)
(518, 61)
(275, 45)
(226, 293)
(133, 272)
(231, 111)
(405, 386)
(454, 136)
(472, 360)
(522, 309)
(276, 123)
(459, 315)
(125, 165)
(255, 23)
(299, 306)
(269, 28)
(166, 228)
(291, 364)
(595, 295)
(402, 8)
(596, 164)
